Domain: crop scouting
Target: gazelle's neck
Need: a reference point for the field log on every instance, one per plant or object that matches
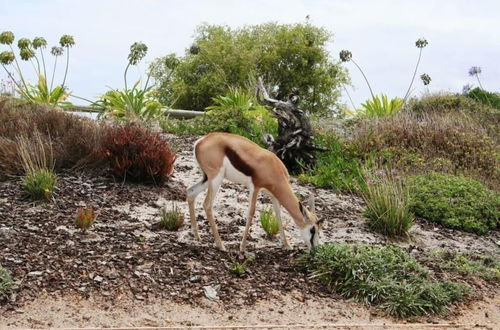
(287, 198)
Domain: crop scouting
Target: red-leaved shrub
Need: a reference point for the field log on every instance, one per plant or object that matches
(138, 154)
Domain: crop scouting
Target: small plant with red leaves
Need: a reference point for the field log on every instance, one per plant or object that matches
(85, 218)
(138, 154)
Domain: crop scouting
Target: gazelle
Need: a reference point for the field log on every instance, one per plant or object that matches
(227, 156)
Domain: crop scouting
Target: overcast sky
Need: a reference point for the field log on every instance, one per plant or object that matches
(380, 34)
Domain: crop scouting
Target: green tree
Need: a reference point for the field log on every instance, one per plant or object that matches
(286, 56)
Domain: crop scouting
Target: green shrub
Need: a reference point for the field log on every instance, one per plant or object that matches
(236, 112)
(455, 202)
(385, 276)
(387, 206)
(486, 267)
(337, 168)
(5, 281)
(172, 219)
(269, 222)
(485, 97)
(39, 184)
(287, 55)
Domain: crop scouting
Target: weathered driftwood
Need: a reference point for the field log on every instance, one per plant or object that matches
(294, 144)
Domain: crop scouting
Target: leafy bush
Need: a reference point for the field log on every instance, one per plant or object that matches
(269, 222)
(485, 97)
(85, 218)
(172, 219)
(138, 154)
(5, 281)
(289, 55)
(455, 202)
(76, 142)
(486, 267)
(387, 206)
(337, 168)
(236, 112)
(39, 184)
(441, 142)
(34, 49)
(385, 276)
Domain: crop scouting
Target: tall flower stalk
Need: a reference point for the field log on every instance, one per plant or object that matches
(420, 43)
(30, 50)
(475, 71)
(346, 56)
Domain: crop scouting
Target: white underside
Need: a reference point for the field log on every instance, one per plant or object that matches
(229, 172)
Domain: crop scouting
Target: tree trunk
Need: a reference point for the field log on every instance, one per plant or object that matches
(294, 144)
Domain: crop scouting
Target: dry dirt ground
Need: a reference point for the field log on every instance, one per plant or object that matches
(128, 272)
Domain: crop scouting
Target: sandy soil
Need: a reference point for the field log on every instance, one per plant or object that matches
(75, 312)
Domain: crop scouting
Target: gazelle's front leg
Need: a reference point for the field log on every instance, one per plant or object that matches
(192, 192)
(251, 211)
(213, 187)
(277, 212)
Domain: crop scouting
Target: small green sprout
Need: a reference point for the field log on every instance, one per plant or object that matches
(240, 268)
(269, 222)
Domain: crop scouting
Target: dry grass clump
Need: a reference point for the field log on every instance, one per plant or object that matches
(76, 142)
(451, 143)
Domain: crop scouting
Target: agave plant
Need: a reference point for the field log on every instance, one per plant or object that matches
(378, 106)
(33, 51)
(130, 105)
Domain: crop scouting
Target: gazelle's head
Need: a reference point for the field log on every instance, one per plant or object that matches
(310, 232)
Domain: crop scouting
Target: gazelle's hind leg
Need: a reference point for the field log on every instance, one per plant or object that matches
(213, 187)
(251, 211)
(277, 212)
(192, 192)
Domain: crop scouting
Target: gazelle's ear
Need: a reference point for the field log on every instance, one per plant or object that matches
(310, 203)
(303, 210)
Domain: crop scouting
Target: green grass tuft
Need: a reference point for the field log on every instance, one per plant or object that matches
(172, 219)
(388, 207)
(385, 276)
(39, 184)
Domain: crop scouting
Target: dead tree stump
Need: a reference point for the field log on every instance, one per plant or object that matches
(294, 144)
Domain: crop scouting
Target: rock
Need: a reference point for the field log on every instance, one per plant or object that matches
(195, 279)
(98, 279)
(211, 291)
(35, 273)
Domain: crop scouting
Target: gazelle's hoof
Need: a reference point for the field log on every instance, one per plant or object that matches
(287, 246)
(222, 248)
